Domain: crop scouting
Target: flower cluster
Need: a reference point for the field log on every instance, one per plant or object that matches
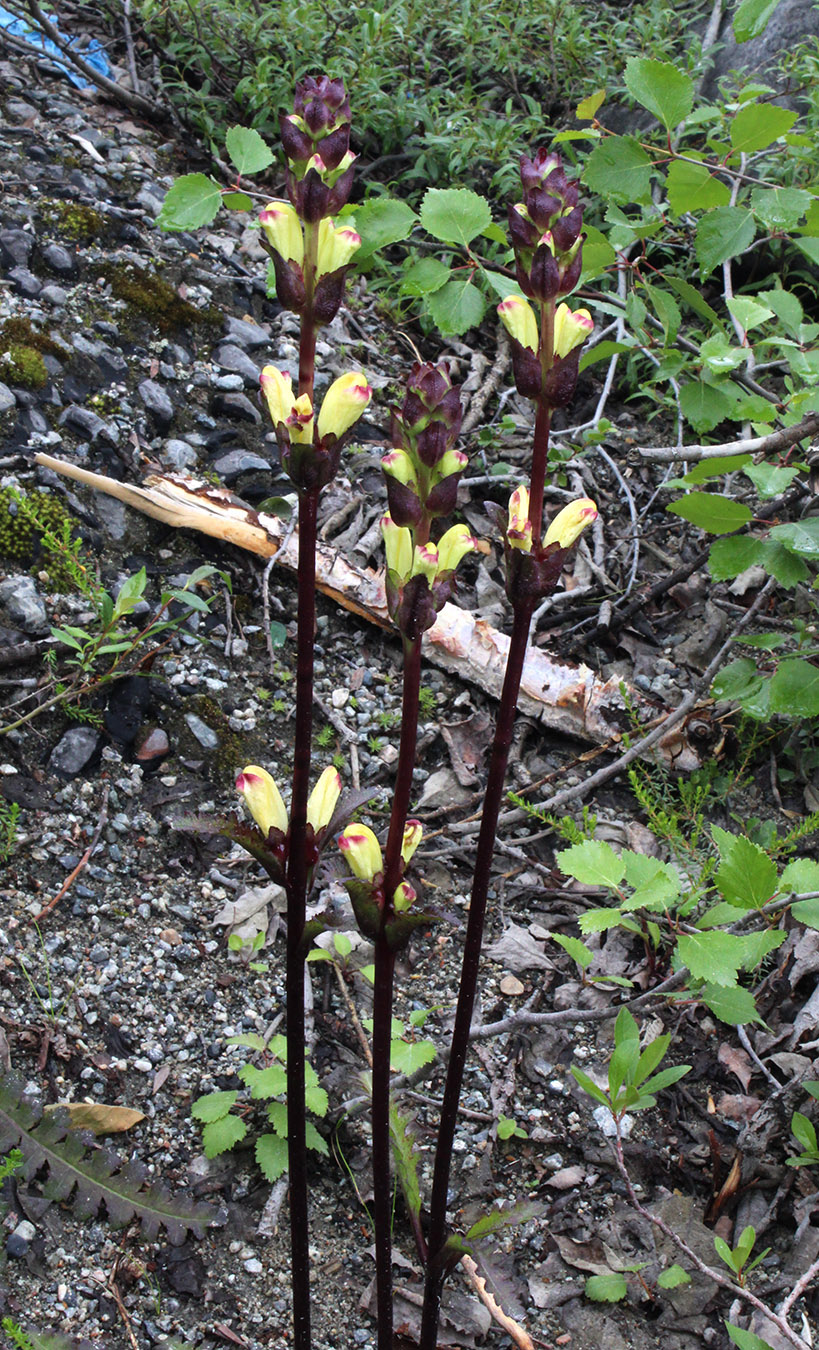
(545, 229)
(420, 578)
(336, 245)
(362, 853)
(265, 804)
(556, 383)
(533, 568)
(310, 446)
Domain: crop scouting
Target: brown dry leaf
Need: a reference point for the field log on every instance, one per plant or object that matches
(518, 950)
(565, 1178)
(738, 1107)
(737, 1062)
(467, 743)
(160, 1077)
(99, 1118)
(587, 1256)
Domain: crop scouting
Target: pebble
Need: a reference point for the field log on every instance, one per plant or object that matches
(7, 399)
(204, 734)
(157, 403)
(23, 604)
(74, 751)
(18, 1241)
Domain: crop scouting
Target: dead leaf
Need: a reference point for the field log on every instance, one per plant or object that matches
(587, 1256)
(248, 914)
(737, 1062)
(518, 950)
(737, 1107)
(565, 1178)
(99, 1118)
(160, 1077)
(467, 743)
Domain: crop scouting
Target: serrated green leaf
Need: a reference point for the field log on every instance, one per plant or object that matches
(751, 19)
(405, 1154)
(692, 187)
(711, 512)
(735, 681)
(271, 1155)
(748, 1340)
(264, 1083)
(800, 536)
(593, 863)
(424, 277)
(746, 876)
(727, 558)
(731, 1004)
(589, 1086)
(722, 234)
(457, 306)
(407, 1056)
(800, 875)
(599, 920)
(382, 221)
(606, 1288)
(316, 1100)
(314, 1140)
(587, 107)
(666, 309)
(247, 151)
(787, 307)
(673, 1277)
(748, 312)
(576, 949)
(662, 88)
(691, 297)
(619, 170)
(220, 1135)
(721, 355)
(193, 201)
(501, 285)
(807, 912)
(758, 125)
(454, 215)
(714, 956)
(237, 201)
(780, 208)
(598, 254)
(705, 405)
(771, 480)
(213, 1106)
(795, 689)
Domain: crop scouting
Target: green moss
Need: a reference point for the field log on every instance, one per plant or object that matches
(22, 333)
(73, 220)
(24, 367)
(21, 540)
(150, 295)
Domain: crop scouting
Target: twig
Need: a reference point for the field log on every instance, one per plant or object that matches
(84, 860)
(745, 1042)
(499, 367)
(512, 1328)
(129, 44)
(351, 1008)
(777, 440)
(799, 1288)
(568, 1015)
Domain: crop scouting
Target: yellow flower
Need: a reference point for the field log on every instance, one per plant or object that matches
(362, 851)
(453, 546)
(344, 403)
(403, 896)
(300, 421)
(413, 832)
(336, 246)
(263, 799)
(519, 321)
(519, 529)
(570, 523)
(277, 387)
(322, 800)
(397, 545)
(283, 229)
(571, 329)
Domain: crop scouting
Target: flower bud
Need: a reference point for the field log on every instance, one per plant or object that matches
(263, 799)
(397, 545)
(519, 528)
(277, 387)
(425, 562)
(571, 329)
(398, 465)
(343, 404)
(323, 799)
(519, 321)
(570, 523)
(413, 833)
(453, 461)
(300, 421)
(403, 897)
(453, 546)
(362, 851)
(336, 246)
(283, 229)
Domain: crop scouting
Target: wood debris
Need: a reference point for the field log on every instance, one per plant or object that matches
(566, 698)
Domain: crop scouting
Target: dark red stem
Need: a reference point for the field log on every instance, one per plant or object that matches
(383, 996)
(493, 801)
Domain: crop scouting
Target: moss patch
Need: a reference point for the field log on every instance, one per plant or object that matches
(73, 220)
(23, 347)
(151, 296)
(21, 541)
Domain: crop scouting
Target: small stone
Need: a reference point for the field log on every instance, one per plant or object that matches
(23, 604)
(170, 936)
(74, 751)
(157, 403)
(237, 406)
(60, 260)
(247, 335)
(178, 455)
(253, 1266)
(25, 283)
(339, 697)
(232, 358)
(18, 1242)
(204, 734)
(605, 1120)
(152, 745)
(7, 399)
(15, 245)
(236, 462)
(88, 423)
(512, 986)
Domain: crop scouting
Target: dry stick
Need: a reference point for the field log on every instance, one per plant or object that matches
(777, 440)
(513, 1329)
(499, 367)
(129, 44)
(351, 1008)
(718, 1278)
(84, 860)
(568, 1015)
(799, 1288)
(646, 742)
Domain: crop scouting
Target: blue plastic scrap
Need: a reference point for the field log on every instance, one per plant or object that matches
(93, 54)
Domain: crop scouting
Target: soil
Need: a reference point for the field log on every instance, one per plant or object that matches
(125, 991)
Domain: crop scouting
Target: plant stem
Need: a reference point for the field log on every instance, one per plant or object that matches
(540, 455)
(383, 996)
(493, 801)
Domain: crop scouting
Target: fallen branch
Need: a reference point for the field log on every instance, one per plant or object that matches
(568, 699)
(776, 440)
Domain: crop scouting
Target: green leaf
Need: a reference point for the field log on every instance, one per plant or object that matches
(501, 285)
(733, 1004)
(603, 351)
(454, 215)
(748, 1340)
(757, 125)
(795, 689)
(314, 1140)
(807, 912)
(606, 1288)
(722, 234)
(787, 307)
(587, 107)
(715, 957)
(760, 945)
(720, 355)
(424, 276)
(278, 633)
(662, 88)
(711, 512)
(750, 20)
(271, 1155)
(770, 480)
(666, 309)
(748, 313)
(717, 467)
(804, 1132)
(598, 254)
(589, 1086)
(264, 1083)
(220, 1135)
(704, 405)
(237, 201)
(407, 1056)
(780, 208)
(247, 151)
(673, 1277)
(692, 187)
(800, 536)
(746, 875)
(457, 306)
(691, 296)
(619, 170)
(506, 1127)
(382, 221)
(213, 1105)
(735, 680)
(599, 920)
(193, 200)
(405, 1154)
(316, 1100)
(576, 949)
(593, 863)
(800, 875)
(729, 557)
